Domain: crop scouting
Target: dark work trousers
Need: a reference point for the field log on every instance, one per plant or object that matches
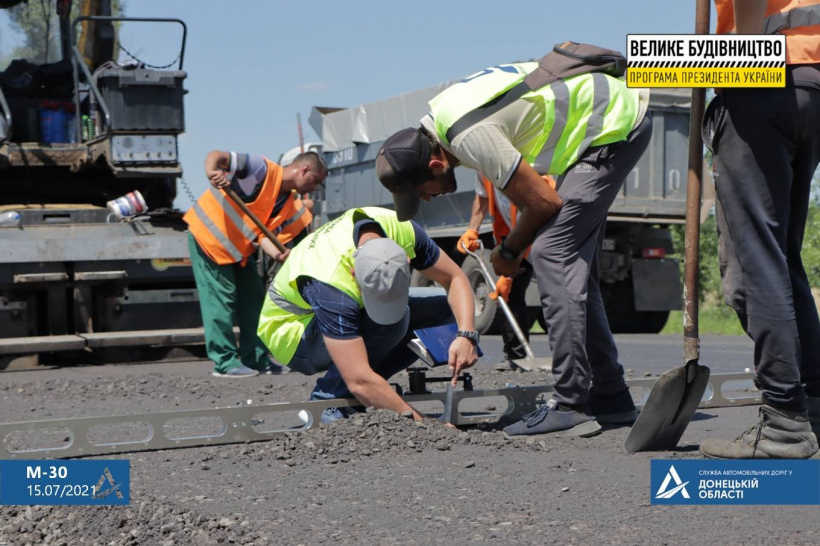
(386, 345)
(565, 258)
(766, 148)
(513, 348)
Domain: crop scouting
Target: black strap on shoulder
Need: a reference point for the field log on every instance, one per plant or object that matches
(483, 112)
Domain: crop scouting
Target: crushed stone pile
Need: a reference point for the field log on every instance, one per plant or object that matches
(143, 522)
(379, 433)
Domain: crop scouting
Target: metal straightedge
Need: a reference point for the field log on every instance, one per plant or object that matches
(244, 423)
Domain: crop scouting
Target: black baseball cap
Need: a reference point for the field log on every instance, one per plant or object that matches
(403, 164)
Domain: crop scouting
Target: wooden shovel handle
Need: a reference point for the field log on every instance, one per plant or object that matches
(235, 198)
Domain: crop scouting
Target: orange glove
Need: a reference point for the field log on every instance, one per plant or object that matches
(470, 240)
(502, 286)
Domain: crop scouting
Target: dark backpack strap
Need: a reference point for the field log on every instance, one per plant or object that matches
(570, 59)
(565, 60)
(486, 110)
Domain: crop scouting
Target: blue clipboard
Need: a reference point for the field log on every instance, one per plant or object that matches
(434, 344)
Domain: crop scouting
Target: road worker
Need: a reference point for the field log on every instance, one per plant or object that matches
(342, 305)
(222, 242)
(514, 123)
(766, 149)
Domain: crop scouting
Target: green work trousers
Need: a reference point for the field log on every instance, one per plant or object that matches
(229, 294)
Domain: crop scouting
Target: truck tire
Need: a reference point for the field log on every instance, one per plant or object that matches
(487, 313)
(654, 321)
(619, 300)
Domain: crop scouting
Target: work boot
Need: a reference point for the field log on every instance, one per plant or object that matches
(813, 403)
(615, 409)
(778, 434)
(553, 417)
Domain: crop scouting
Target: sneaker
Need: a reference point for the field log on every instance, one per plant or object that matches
(813, 403)
(272, 368)
(552, 417)
(778, 434)
(237, 372)
(331, 415)
(616, 409)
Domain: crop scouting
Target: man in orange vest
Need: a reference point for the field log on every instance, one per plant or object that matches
(512, 289)
(222, 242)
(766, 149)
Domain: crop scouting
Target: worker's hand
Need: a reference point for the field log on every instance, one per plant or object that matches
(462, 355)
(218, 178)
(503, 286)
(469, 239)
(508, 268)
(281, 256)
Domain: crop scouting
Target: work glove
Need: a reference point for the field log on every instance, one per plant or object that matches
(470, 240)
(502, 287)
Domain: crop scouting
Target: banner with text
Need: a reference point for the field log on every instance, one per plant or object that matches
(683, 60)
(86, 482)
(735, 482)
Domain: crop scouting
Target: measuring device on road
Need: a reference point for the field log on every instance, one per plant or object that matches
(246, 423)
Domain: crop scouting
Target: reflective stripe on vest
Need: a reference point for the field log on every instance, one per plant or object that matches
(222, 230)
(327, 256)
(296, 216)
(217, 233)
(235, 217)
(798, 20)
(605, 108)
(560, 91)
(803, 16)
(285, 305)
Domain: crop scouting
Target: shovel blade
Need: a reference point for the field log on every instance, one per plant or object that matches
(671, 404)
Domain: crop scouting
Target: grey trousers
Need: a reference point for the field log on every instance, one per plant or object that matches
(766, 148)
(565, 257)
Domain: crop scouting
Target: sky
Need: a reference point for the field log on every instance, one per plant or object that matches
(253, 65)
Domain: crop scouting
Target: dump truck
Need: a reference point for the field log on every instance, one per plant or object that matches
(640, 283)
(76, 279)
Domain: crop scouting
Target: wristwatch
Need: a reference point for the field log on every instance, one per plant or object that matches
(472, 336)
(506, 253)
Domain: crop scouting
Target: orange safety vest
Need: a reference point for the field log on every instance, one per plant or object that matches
(798, 20)
(228, 236)
(500, 227)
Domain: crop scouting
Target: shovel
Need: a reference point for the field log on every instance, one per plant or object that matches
(677, 393)
(529, 362)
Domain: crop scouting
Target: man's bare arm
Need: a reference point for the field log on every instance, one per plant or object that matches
(217, 164)
(371, 389)
(537, 203)
(462, 353)
(481, 206)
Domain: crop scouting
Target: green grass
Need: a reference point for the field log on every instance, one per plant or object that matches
(712, 319)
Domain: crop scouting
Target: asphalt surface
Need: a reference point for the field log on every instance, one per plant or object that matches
(381, 479)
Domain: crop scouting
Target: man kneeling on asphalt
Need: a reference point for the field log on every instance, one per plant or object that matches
(342, 304)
